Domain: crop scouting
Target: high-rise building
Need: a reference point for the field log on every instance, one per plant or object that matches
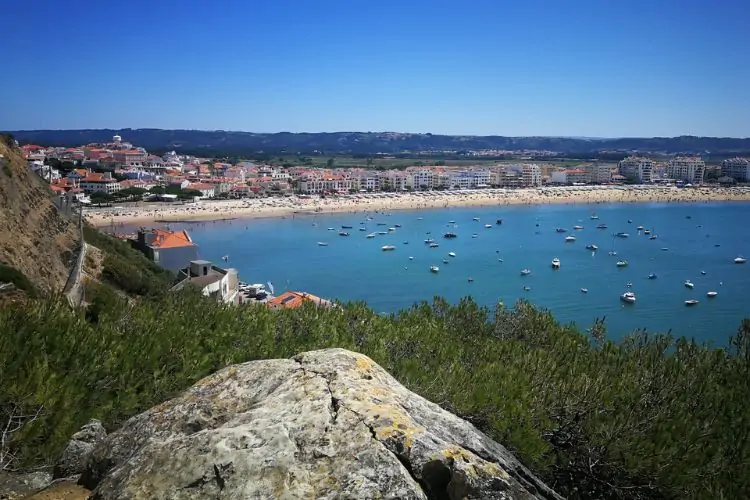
(686, 168)
(736, 168)
(637, 168)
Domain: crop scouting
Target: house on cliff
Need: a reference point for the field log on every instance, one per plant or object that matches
(213, 281)
(172, 250)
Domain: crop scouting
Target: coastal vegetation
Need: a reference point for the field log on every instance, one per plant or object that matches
(648, 417)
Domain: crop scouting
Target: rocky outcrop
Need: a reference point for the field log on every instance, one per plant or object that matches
(326, 424)
(35, 238)
(79, 448)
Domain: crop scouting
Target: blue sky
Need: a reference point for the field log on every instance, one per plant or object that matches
(572, 68)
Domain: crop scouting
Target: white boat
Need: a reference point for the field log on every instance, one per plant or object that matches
(371, 235)
(592, 247)
(622, 263)
(739, 260)
(383, 232)
(363, 229)
(331, 228)
(622, 235)
(556, 263)
(612, 253)
(628, 297)
(689, 284)
(488, 226)
(433, 245)
(475, 219)
(712, 294)
(387, 248)
(445, 261)
(640, 228)
(411, 258)
(391, 229)
(653, 237)
(434, 269)
(525, 271)
(594, 217)
(322, 244)
(578, 228)
(691, 302)
(585, 290)
(570, 239)
(451, 254)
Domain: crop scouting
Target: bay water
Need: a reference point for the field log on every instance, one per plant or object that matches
(691, 239)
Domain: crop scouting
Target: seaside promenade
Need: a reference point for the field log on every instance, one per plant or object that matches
(206, 210)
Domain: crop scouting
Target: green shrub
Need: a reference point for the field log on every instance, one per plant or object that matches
(12, 275)
(649, 417)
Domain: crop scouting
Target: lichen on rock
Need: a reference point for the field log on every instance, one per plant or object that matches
(325, 424)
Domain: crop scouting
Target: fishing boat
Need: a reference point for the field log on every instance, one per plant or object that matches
(622, 263)
(397, 225)
(488, 226)
(470, 280)
(445, 261)
(499, 222)
(371, 235)
(703, 273)
(391, 229)
(711, 294)
(363, 229)
(525, 271)
(689, 284)
(343, 233)
(451, 222)
(593, 216)
(630, 221)
(450, 235)
(411, 258)
(577, 228)
(628, 297)
(428, 241)
(664, 249)
(555, 263)
(526, 288)
(739, 260)
(691, 302)
(387, 248)
(652, 237)
(475, 219)
(382, 232)
(433, 245)
(451, 254)
(346, 227)
(647, 231)
(592, 247)
(640, 228)
(652, 276)
(406, 242)
(560, 230)
(584, 290)
(331, 228)
(601, 226)
(622, 235)
(434, 269)
(570, 239)
(382, 223)
(322, 244)
(475, 236)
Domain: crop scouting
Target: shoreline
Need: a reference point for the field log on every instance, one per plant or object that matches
(203, 211)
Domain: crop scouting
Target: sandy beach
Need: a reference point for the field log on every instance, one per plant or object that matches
(206, 210)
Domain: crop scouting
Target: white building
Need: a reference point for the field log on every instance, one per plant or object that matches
(634, 167)
(316, 184)
(736, 168)
(688, 169)
(600, 172)
(99, 183)
(531, 175)
(220, 284)
(423, 179)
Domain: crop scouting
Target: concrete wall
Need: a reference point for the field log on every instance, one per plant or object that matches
(175, 259)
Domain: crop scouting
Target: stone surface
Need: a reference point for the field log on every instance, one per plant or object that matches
(324, 425)
(79, 448)
(19, 485)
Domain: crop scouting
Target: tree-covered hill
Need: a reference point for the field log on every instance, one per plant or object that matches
(230, 143)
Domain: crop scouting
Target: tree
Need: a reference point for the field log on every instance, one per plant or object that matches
(101, 198)
(158, 190)
(330, 163)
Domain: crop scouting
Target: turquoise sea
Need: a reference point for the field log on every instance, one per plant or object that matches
(697, 237)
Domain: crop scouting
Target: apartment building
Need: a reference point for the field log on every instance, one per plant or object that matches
(317, 184)
(130, 157)
(637, 168)
(99, 183)
(687, 169)
(531, 175)
(736, 168)
(600, 173)
(516, 175)
(570, 176)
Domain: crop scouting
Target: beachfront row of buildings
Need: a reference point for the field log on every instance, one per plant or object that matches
(685, 169)
(177, 252)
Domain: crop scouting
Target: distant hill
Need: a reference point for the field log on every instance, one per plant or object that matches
(224, 143)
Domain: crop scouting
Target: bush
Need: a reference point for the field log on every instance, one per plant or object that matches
(649, 417)
(12, 275)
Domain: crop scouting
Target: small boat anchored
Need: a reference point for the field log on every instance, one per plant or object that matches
(652, 276)
(622, 263)
(739, 260)
(555, 263)
(525, 272)
(434, 269)
(689, 284)
(343, 233)
(628, 297)
(387, 248)
(322, 244)
(711, 294)
(570, 239)
(691, 302)
(451, 254)
(584, 290)
(592, 247)
(577, 228)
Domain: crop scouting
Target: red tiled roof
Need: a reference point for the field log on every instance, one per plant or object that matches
(293, 300)
(171, 239)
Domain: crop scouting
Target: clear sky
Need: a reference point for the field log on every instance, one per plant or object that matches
(561, 67)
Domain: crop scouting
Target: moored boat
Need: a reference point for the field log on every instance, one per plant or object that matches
(577, 228)
(451, 254)
(628, 297)
(434, 269)
(689, 284)
(322, 244)
(592, 247)
(387, 248)
(570, 239)
(652, 276)
(739, 260)
(711, 294)
(622, 263)
(343, 233)
(555, 263)
(691, 302)
(525, 271)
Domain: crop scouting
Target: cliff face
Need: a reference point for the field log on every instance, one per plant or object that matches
(325, 424)
(34, 238)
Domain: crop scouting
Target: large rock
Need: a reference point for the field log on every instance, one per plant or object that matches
(79, 448)
(326, 424)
